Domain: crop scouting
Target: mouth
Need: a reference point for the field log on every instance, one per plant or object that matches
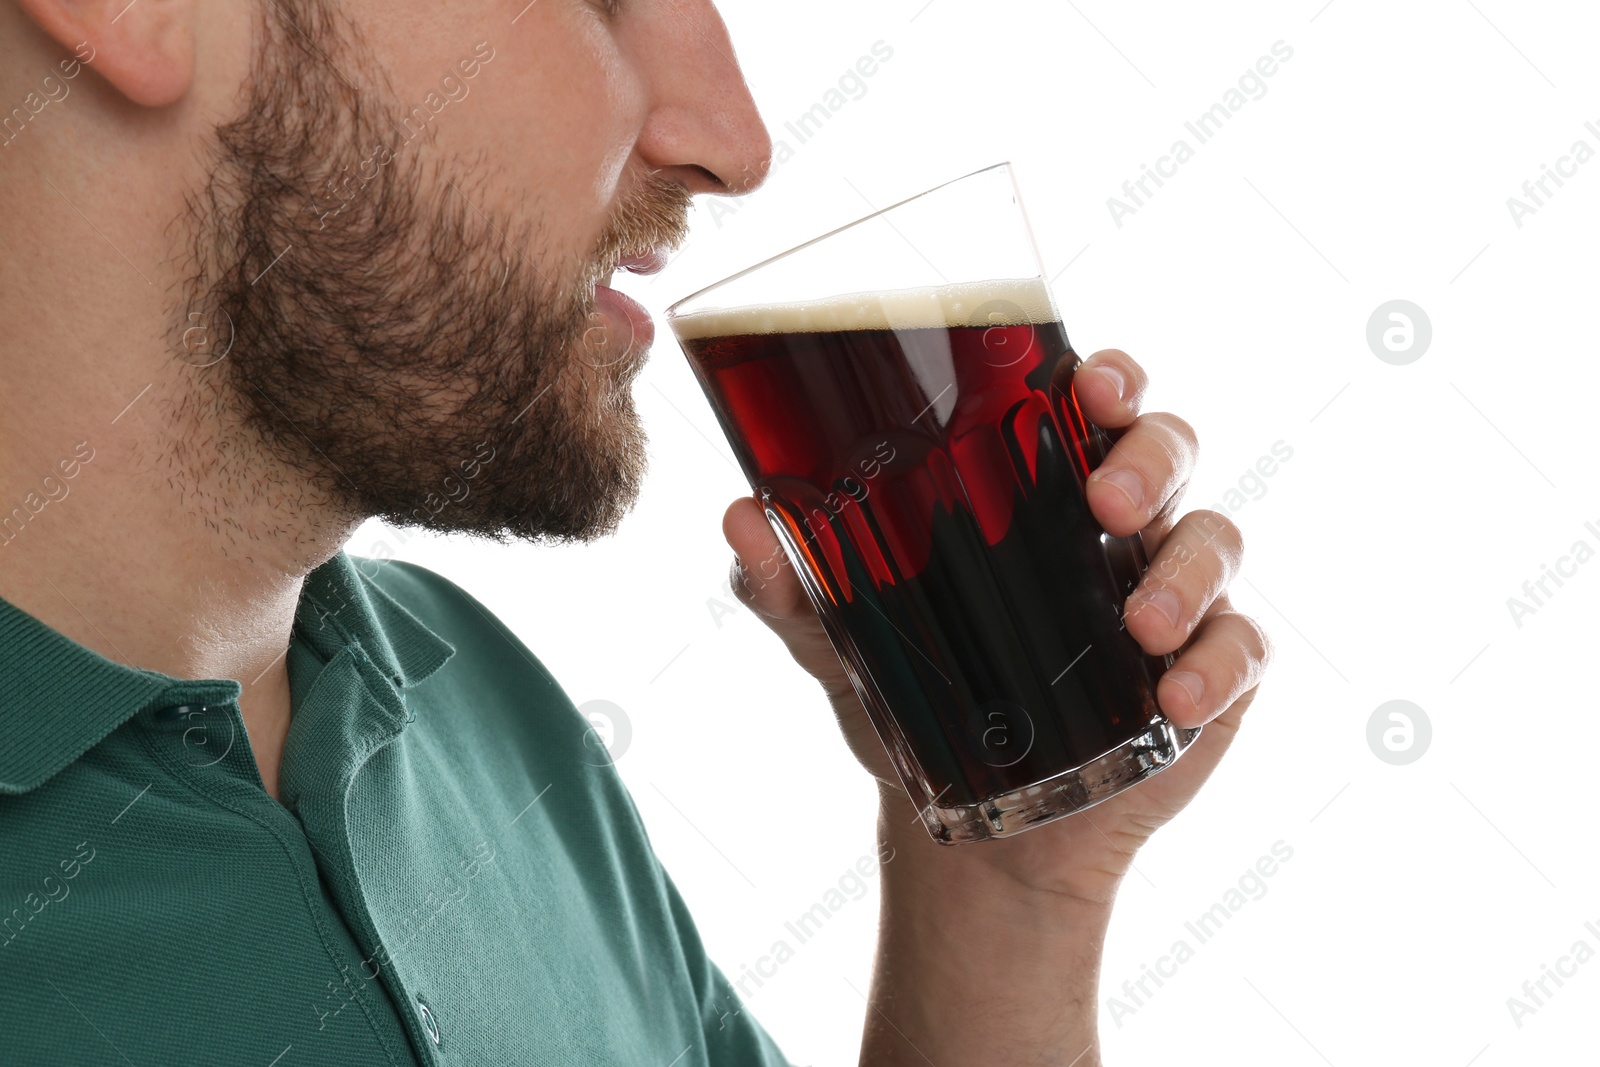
(634, 329)
(621, 328)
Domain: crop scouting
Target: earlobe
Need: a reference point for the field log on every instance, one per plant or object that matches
(143, 49)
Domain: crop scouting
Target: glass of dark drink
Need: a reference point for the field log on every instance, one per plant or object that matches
(899, 394)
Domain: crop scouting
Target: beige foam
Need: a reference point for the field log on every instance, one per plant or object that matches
(1018, 301)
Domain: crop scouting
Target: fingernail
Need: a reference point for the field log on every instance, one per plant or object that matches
(1114, 376)
(1164, 601)
(1131, 484)
(1192, 684)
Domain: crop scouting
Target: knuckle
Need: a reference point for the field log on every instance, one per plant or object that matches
(1257, 642)
(739, 580)
(1135, 375)
(1132, 366)
(1269, 649)
(1110, 355)
(1163, 433)
(1179, 428)
(1217, 528)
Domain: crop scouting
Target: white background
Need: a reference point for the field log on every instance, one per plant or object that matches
(1419, 498)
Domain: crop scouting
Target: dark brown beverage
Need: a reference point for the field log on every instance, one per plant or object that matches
(926, 458)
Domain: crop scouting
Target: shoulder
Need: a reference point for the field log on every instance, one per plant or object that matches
(496, 704)
(451, 612)
(492, 678)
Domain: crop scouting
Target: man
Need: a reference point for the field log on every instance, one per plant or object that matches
(271, 268)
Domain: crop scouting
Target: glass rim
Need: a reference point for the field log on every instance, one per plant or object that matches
(672, 310)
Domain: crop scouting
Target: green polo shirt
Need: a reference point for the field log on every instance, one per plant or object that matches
(455, 874)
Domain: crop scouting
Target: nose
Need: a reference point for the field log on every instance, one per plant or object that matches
(704, 129)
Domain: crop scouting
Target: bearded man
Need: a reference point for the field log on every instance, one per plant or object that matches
(271, 268)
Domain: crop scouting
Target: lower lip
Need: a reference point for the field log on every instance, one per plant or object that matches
(641, 327)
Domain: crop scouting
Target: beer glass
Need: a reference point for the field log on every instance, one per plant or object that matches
(899, 394)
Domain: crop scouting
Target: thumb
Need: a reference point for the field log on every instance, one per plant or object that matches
(762, 575)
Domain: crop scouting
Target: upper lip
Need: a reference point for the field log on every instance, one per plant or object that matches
(649, 262)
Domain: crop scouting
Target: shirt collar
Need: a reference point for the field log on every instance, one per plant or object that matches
(58, 699)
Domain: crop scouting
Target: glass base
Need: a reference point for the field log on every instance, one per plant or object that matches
(1070, 791)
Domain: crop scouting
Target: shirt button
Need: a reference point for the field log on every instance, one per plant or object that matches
(181, 711)
(429, 1023)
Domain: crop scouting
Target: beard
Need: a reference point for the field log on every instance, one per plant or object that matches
(395, 347)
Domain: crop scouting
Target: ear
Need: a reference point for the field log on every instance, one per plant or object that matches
(143, 48)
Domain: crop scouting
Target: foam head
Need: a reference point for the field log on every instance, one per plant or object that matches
(1002, 302)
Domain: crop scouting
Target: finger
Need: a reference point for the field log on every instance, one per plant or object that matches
(1192, 570)
(761, 575)
(1109, 386)
(1229, 655)
(1143, 473)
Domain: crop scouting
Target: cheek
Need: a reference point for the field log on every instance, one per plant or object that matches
(549, 125)
(622, 108)
(576, 113)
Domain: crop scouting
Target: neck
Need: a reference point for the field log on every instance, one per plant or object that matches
(138, 516)
(139, 519)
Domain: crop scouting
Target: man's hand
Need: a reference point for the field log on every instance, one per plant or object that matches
(1053, 884)
(1181, 606)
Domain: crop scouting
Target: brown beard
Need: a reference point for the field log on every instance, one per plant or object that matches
(407, 356)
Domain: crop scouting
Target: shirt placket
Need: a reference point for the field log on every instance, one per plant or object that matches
(370, 714)
(199, 734)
